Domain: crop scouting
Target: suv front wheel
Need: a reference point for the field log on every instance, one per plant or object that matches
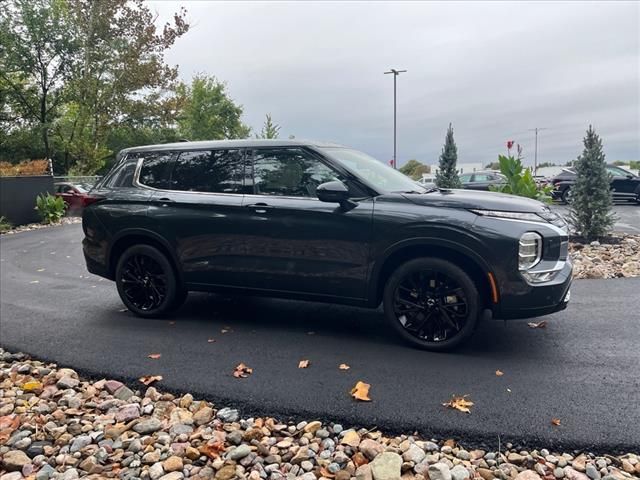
(147, 282)
(431, 303)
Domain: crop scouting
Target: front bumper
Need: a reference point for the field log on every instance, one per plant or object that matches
(535, 300)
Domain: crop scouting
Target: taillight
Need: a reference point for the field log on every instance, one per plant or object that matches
(89, 199)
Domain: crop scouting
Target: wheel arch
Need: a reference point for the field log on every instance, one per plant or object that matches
(130, 237)
(460, 255)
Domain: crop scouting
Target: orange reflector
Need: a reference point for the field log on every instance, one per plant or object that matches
(494, 288)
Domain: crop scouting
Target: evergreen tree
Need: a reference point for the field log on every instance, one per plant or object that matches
(590, 200)
(269, 129)
(447, 176)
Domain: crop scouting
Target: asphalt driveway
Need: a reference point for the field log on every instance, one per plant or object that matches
(584, 368)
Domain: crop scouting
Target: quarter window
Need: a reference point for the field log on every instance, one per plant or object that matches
(155, 169)
(123, 177)
(289, 173)
(214, 171)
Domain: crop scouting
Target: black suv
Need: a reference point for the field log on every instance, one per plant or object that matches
(321, 222)
(625, 186)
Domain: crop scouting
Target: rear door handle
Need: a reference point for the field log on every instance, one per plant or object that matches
(165, 201)
(259, 207)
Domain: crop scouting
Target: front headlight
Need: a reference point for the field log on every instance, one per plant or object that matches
(529, 251)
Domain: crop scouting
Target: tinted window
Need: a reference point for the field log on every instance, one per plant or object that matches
(289, 172)
(155, 169)
(465, 178)
(482, 177)
(215, 171)
(123, 177)
(616, 172)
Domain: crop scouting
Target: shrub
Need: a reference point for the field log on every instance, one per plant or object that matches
(520, 181)
(50, 208)
(590, 201)
(24, 168)
(5, 225)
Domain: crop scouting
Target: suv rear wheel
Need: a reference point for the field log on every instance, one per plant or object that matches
(147, 283)
(431, 303)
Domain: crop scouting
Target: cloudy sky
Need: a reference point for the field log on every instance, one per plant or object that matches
(493, 69)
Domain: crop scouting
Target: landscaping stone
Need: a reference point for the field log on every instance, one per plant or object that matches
(386, 466)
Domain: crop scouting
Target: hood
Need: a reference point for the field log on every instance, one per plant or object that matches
(476, 199)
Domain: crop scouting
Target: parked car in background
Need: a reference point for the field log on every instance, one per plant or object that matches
(74, 195)
(481, 180)
(427, 181)
(321, 222)
(625, 185)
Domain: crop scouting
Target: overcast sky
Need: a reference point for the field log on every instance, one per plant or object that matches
(493, 69)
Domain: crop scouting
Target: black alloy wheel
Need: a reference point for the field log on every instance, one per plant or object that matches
(432, 303)
(146, 282)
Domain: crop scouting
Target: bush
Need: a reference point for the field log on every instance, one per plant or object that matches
(520, 181)
(5, 225)
(50, 208)
(24, 168)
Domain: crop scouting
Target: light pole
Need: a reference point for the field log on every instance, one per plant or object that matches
(395, 75)
(535, 154)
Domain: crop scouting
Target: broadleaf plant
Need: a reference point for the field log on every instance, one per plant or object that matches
(50, 208)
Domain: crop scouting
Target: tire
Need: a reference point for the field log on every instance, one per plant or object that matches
(566, 195)
(435, 283)
(147, 282)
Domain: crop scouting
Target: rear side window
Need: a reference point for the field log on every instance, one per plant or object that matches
(123, 176)
(155, 169)
(212, 171)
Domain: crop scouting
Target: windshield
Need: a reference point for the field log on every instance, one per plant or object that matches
(379, 175)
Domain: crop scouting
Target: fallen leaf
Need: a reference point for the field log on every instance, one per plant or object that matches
(242, 371)
(172, 323)
(459, 403)
(509, 390)
(449, 442)
(212, 450)
(226, 330)
(344, 366)
(542, 324)
(311, 333)
(31, 386)
(499, 373)
(361, 391)
(34, 281)
(211, 340)
(123, 310)
(149, 379)
(40, 270)
(303, 364)
(555, 421)
(154, 355)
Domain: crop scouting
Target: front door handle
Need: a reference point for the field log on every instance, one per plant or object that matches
(259, 207)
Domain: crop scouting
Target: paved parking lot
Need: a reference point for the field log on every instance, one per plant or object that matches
(628, 216)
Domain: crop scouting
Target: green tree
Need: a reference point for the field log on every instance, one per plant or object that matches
(207, 111)
(269, 129)
(492, 166)
(590, 200)
(447, 176)
(414, 169)
(36, 59)
(634, 165)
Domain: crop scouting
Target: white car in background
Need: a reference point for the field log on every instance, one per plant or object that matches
(427, 181)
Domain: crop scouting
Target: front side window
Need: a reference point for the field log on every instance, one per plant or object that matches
(212, 171)
(155, 169)
(616, 172)
(378, 174)
(289, 173)
(465, 178)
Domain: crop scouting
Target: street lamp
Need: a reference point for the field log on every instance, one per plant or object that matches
(395, 75)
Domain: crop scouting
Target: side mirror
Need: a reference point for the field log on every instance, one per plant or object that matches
(333, 192)
(629, 176)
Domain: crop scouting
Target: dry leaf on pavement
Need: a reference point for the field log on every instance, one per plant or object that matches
(154, 356)
(542, 324)
(149, 379)
(459, 403)
(361, 391)
(211, 340)
(242, 371)
(303, 364)
(344, 366)
(555, 421)
(499, 373)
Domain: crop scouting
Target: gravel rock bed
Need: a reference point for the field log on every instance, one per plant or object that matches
(38, 226)
(619, 258)
(54, 424)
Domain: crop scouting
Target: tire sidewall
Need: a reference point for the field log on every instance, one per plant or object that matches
(566, 195)
(449, 269)
(172, 286)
